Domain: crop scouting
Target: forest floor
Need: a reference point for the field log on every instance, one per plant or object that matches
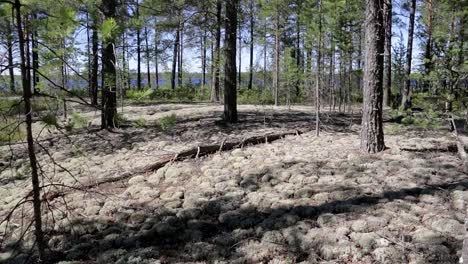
(298, 199)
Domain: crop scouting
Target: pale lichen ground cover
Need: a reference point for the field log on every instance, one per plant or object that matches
(299, 199)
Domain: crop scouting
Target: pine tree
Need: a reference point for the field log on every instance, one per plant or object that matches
(372, 136)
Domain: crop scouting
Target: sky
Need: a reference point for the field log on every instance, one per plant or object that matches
(192, 61)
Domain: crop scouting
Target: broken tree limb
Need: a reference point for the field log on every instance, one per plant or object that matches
(199, 151)
(202, 151)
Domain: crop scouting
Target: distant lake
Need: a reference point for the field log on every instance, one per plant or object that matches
(83, 84)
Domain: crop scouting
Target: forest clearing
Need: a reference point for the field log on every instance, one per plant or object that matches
(237, 131)
(297, 199)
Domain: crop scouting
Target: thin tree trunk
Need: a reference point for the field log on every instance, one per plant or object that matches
(331, 73)
(350, 72)
(88, 51)
(387, 96)
(406, 99)
(148, 71)
(10, 54)
(30, 140)
(94, 65)
(265, 49)
(340, 76)
(203, 43)
(138, 39)
(298, 52)
(175, 58)
(109, 73)
(215, 92)
(156, 55)
(28, 50)
(181, 54)
(372, 136)
(277, 56)
(35, 56)
(124, 61)
(252, 25)
(319, 71)
(230, 89)
(239, 72)
(428, 58)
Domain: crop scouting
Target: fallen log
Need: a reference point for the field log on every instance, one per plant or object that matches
(197, 152)
(202, 151)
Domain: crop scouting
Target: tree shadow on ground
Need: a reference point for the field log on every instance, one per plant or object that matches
(214, 230)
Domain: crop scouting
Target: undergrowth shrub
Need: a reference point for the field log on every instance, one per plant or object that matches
(11, 131)
(16, 106)
(139, 123)
(76, 121)
(167, 122)
(253, 96)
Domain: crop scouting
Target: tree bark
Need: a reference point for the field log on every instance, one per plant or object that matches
(230, 89)
(239, 72)
(175, 58)
(10, 54)
(319, 71)
(406, 99)
(203, 48)
(265, 49)
(372, 136)
(252, 25)
(35, 55)
(156, 55)
(387, 96)
(181, 57)
(94, 64)
(277, 56)
(215, 92)
(25, 77)
(428, 57)
(297, 53)
(138, 39)
(148, 71)
(109, 73)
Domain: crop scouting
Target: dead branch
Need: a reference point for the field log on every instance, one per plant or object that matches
(184, 155)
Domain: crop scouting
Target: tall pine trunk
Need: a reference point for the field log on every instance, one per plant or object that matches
(428, 57)
(138, 39)
(319, 72)
(372, 136)
(387, 97)
(109, 73)
(180, 60)
(239, 72)
(25, 77)
(265, 49)
(215, 92)
(156, 55)
(10, 54)
(175, 58)
(147, 51)
(94, 64)
(406, 99)
(252, 25)
(230, 89)
(203, 47)
(35, 55)
(277, 57)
